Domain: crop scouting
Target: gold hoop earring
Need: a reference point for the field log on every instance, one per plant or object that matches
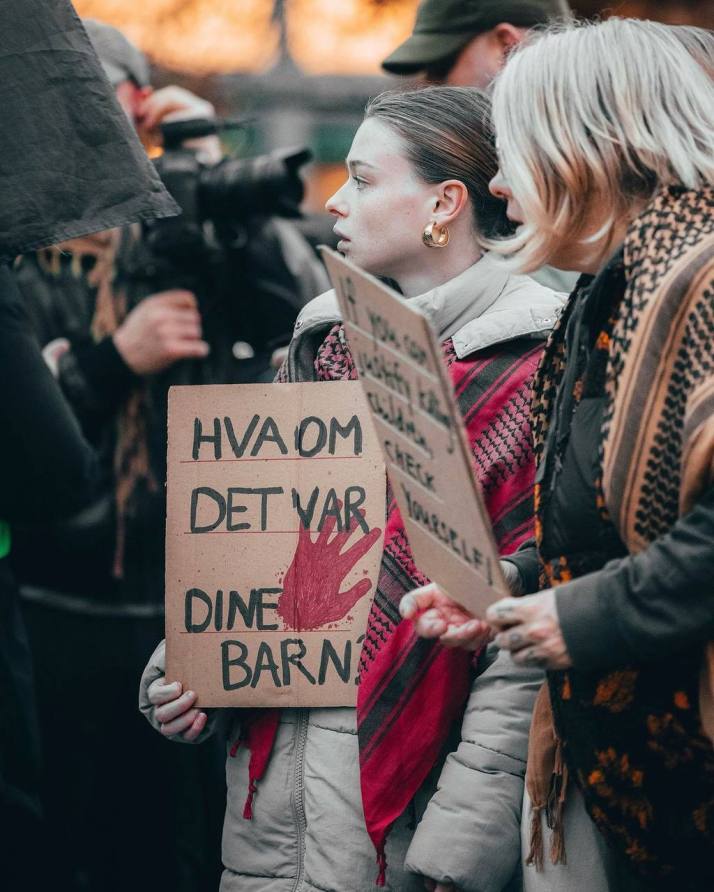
(435, 236)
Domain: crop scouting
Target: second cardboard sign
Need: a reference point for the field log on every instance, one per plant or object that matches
(423, 440)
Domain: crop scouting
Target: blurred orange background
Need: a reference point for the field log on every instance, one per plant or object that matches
(300, 69)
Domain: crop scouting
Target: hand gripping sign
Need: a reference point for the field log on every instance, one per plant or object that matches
(422, 435)
(275, 521)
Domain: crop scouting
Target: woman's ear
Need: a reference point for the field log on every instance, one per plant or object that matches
(452, 198)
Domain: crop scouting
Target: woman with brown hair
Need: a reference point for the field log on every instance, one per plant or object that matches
(332, 786)
(607, 160)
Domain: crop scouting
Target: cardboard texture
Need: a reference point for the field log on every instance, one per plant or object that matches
(423, 439)
(275, 524)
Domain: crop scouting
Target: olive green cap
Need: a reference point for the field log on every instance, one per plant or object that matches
(443, 27)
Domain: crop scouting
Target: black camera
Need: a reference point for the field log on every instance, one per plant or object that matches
(218, 202)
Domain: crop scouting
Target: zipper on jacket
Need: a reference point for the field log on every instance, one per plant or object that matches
(299, 792)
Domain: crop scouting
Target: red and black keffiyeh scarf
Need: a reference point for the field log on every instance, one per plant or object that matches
(407, 682)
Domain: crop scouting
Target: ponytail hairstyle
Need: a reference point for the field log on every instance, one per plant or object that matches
(448, 136)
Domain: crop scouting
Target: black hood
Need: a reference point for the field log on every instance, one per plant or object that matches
(70, 161)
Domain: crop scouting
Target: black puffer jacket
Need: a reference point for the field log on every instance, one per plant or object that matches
(46, 469)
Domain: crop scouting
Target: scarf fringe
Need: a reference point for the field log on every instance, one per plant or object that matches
(554, 809)
(382, 865)
(535, 853)
(555, 806)
(252, 786)
(248, 807)
(557, 846)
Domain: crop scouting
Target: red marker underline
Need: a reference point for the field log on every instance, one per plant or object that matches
(235, 532)
(263, 632)
(218, 461)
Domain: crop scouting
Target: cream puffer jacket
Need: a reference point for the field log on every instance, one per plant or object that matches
(308, 833)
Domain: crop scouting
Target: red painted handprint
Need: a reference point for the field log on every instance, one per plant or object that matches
(311, 595)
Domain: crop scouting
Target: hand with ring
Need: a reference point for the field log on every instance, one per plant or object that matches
(529, 628)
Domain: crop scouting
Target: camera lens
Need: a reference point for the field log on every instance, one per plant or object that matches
(263, 186)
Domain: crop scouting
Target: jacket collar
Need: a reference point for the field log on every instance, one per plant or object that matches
(457, 302)
(483, 306)
(522, 309)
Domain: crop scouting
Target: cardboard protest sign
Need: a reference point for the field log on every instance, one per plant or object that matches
(275, 522)
(423, 439)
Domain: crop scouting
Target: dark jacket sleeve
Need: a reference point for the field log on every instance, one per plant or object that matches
(47, 469)
(93, 376)
(95, 380)
(645, 606)
(525, 560)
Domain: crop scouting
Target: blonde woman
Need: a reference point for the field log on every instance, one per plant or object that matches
(607, 160)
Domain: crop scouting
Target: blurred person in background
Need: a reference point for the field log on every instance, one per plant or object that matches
(623, 415)
(119, 325)
(466, 43)
(47, 66)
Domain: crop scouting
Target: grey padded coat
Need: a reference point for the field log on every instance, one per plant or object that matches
(307, 833)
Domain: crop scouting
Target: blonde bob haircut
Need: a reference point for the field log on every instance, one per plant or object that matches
(598, 115)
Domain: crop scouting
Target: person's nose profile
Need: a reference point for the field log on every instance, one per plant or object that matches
(499, 188)
(335, 205)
